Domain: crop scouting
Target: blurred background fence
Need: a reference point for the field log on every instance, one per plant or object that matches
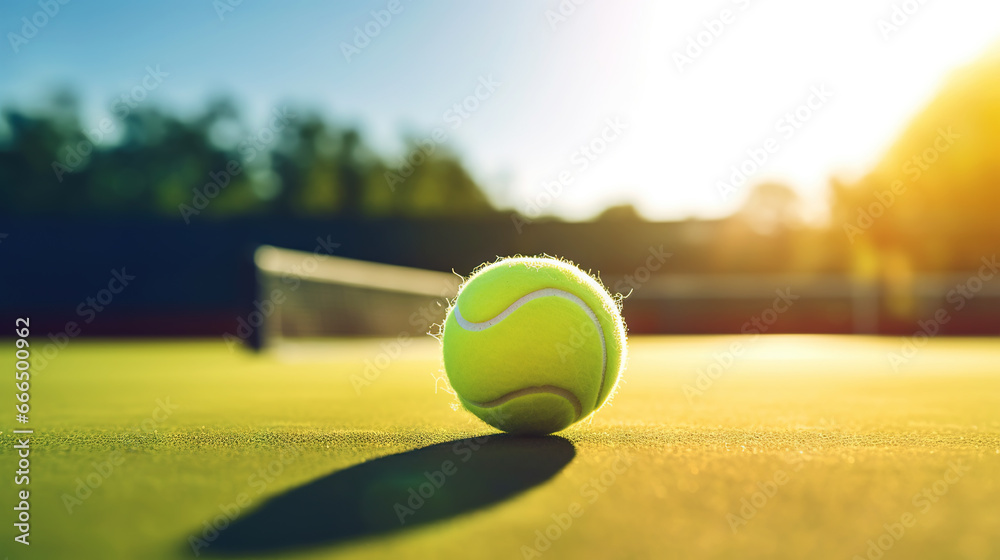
(200, 279)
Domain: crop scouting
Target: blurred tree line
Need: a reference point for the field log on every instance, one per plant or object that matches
(930, 204)
(148, 162)
(933, 200)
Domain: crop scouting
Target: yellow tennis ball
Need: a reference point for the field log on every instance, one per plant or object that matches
(532, 345)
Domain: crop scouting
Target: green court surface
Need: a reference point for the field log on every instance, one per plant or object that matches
(798, 447)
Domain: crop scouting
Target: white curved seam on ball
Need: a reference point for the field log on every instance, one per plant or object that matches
(544, 389)
(544, 292)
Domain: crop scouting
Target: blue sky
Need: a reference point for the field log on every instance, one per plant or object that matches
(688, 123)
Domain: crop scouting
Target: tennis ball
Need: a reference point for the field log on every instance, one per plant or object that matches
(533, 344)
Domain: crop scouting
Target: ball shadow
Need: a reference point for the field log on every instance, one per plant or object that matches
(397, 492)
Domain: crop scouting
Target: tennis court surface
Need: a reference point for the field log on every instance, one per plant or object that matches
(792, 447)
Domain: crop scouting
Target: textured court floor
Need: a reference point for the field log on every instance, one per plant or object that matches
(797, 447)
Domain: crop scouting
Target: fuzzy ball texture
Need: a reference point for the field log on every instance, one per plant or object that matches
(533, 344)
